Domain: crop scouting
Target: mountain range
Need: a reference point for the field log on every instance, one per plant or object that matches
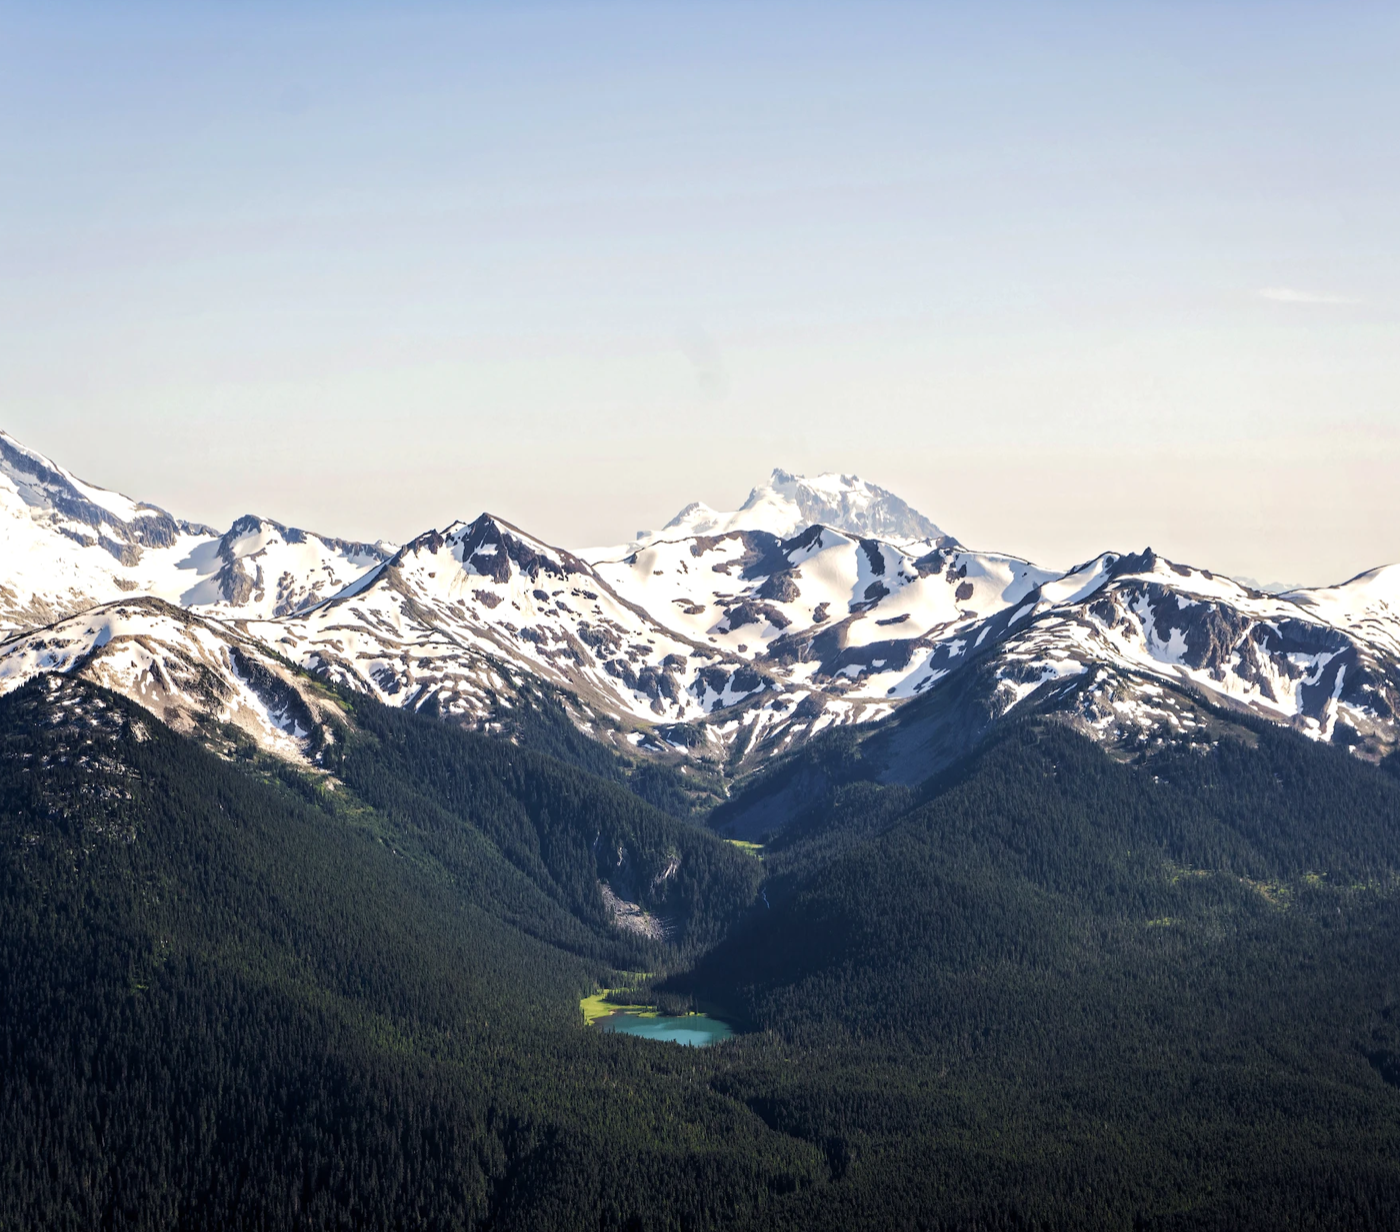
(714, 644)
(1033, 898)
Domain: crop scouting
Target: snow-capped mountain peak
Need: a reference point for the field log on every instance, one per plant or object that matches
(730, 636)
(1369, 602)
(54, 497)
(260, 567)
(788, 503)
(67, 545)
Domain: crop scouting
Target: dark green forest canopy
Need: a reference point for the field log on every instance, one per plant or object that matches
(1043, 989)
(1042, 852)
(538, 720)
(231, 1000)
(562, 828)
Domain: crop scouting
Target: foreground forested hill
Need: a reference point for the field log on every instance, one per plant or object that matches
(1167, 992)
(1045, 989)
(230, 1001)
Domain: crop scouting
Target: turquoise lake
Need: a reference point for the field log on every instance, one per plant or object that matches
(694, 1030)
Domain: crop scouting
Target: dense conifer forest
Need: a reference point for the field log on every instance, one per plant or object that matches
(1049, 988)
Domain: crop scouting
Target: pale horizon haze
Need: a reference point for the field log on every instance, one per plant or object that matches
(1065, 278)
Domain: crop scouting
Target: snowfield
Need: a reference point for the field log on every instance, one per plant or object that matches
(730, 636)
(66, 545)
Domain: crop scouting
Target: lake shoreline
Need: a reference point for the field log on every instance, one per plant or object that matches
(693, 1029)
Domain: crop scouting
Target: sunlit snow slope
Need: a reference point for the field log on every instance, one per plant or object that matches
(729, 637)
(190, 671)
(66, 545)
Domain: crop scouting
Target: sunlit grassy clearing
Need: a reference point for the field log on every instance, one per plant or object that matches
(596, 1007)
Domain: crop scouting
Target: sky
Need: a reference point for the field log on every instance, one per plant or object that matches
(1068, 278)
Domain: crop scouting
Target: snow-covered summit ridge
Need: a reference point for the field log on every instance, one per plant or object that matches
(729, 636)
(787, 504)
(1369, 602)
(67, 545)
(1374, 591)
(83, 512)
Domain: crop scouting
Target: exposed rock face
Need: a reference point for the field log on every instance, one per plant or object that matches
(630, 917)
(490, 548)
(732, 643)
(90, 516)
(636, 898)
(788, 503)
(189, 671)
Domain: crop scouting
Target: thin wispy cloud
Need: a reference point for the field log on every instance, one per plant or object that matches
(1288, 295)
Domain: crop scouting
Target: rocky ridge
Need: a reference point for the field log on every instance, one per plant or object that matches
(67, 545)
(731, 642)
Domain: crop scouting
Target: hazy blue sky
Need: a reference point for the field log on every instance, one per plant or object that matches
(1065, 276)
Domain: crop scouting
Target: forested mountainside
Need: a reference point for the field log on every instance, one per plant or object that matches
(1135, 995)
(1053, 985)
(1037, 898)
(234, 998)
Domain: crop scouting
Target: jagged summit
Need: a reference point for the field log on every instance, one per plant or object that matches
(67, 545)
(788, 503)
(732, 636)
(58, 500)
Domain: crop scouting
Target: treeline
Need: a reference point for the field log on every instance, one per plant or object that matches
(537, 720)
(566, 831)
(1046, 990)
(227, 1003)
(1051, 989)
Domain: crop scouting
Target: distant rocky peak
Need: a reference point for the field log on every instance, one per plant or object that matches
(787, 504)
(492, 547)
(87, 514)
(251, 534)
